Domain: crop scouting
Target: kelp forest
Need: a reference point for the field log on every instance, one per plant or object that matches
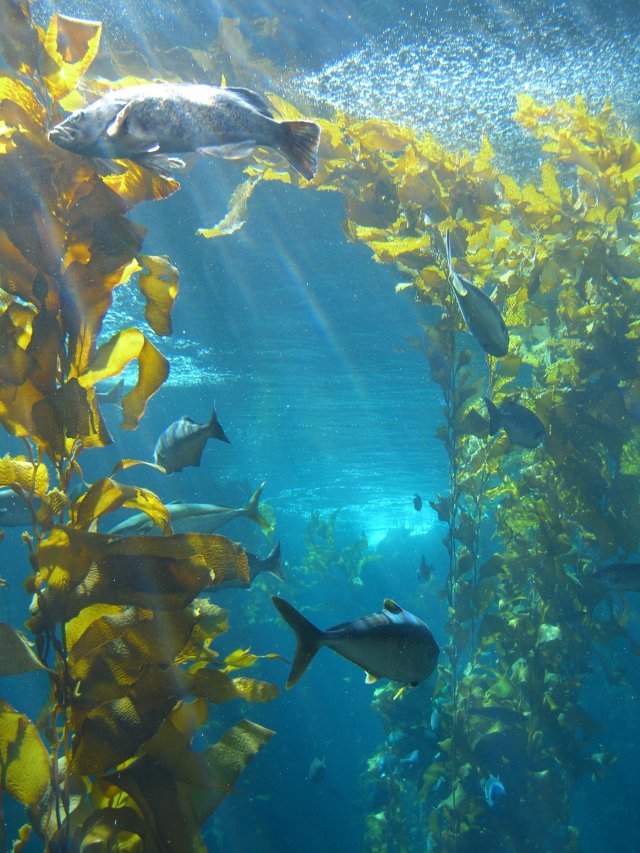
(120, 626)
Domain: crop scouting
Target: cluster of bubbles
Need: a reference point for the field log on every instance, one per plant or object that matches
(455, 71)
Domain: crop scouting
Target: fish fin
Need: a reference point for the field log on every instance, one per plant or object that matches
(309, 638)
(230, 151)
(370, 679)
(113, 395)
(390, 605)
(253, 99)
(273, 563)
(215, 428)
(252, 511)
(495, 418)
(160, 164)
(455, 280)
(116, 125)
(299, 145)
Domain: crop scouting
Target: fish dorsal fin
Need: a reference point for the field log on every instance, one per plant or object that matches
(253, 99)
(390, 605)
(370, 679)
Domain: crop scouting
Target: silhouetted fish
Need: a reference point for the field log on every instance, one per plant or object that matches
(182, 443)
(148, 123)
(271, 563)
(522, 426)
(425, 571)
(622, 577)
(392, 644)
(195, 518)
(417, 502)
(483, 319)
(494, 791)
(113, 396)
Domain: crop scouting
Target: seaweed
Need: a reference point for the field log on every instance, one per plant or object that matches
(120, 627)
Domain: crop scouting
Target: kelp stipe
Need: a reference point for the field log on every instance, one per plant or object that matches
(120, 631)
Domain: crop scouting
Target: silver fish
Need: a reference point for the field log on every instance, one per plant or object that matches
(149, 123)
(182, 443)
(483, 319)
(392, 644)
(522, 426)
(317, 769)
(195, 518)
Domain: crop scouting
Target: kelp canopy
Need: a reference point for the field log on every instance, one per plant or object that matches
(121, 629)
(131, 673)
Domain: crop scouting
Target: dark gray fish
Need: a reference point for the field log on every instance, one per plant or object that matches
(196, 518)
(272, 563)
(621, 577)
(182, 443)
(317, 770)
(417, 502)
(522, 426)
(425, 571)
(392, 644)
(149, 123)
(483, 319)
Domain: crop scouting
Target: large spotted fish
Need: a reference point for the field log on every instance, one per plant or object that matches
(152, 123)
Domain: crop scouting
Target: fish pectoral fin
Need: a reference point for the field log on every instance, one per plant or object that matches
(116, 125)
(370, 679)
(230, 151)
(160, 164)
(390, 605)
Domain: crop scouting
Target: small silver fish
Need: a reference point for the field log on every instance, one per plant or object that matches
(151, 122)
(522, 426)
(621, 577)
(392, 644)
(182, 443)
(483, 319)
(195, 518)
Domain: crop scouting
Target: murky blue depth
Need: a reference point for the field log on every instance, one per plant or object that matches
(300, 340)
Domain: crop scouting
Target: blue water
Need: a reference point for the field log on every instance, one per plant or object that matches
(300, 340)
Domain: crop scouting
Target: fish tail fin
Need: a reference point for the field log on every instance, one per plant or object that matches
(447, 244)
(252, 509)
(215, 427)
(299, 144)
(115, 394)
(309, 638)
(495, 418)
(273, 563)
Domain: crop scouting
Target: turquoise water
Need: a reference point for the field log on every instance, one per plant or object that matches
(302, 343)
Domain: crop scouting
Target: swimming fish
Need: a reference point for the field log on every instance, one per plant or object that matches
(151, 122)
(196, 518)
(621, 577)
(412, 758)
(113, 396)
(392, 644)
(494, 791)
(522, 426)
(417, 502)
(271, 563)
(317, 770)
(483, 319)
(425, 571)
(182, 443)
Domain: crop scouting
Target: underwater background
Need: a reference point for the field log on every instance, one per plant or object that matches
(322, 327)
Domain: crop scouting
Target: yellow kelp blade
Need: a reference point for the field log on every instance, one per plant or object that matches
(20, 38)
(24, 474)
(25, 768)
(67, 415)
(111, 359)
(243, 658)
(216, 687)
(236, 215)
(107, 496)
(16, 653)
(119, 829)
(71, 45)
(159, 284)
